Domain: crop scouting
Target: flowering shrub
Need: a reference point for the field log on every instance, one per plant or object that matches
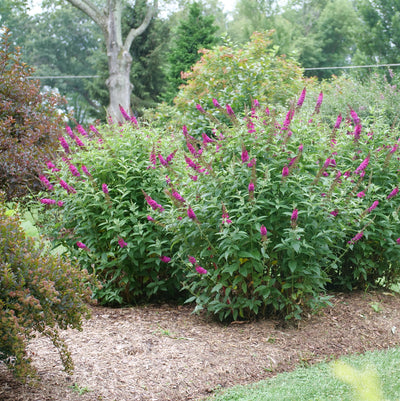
(29, 124)
(237, 76)
(273, 212)
(94, 207)
(39, 292)
(263, 215)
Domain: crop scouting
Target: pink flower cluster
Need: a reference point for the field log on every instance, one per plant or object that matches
(198, 268)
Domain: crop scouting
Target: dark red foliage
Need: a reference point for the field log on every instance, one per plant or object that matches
(30, 124)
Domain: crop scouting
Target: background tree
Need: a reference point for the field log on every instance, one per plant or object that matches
(61, 46)
(109, 19)
(379, 40)
(194, 32)
(148, 55)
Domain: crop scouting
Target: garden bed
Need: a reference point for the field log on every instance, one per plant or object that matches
(166, 353)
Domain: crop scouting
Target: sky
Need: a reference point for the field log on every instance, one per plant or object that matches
(229, 5)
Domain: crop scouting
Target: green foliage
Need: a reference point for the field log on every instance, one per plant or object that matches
(29, 124)
(195, 32)
(119, 244)
(374, 97)
(338, 241)
(380, 33)
(39, 292)
(236, 76)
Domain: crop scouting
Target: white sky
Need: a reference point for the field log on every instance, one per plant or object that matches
(229, 5)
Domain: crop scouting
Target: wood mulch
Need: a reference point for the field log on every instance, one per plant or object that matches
(159, 353)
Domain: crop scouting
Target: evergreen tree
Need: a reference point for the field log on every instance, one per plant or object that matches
(193, 33)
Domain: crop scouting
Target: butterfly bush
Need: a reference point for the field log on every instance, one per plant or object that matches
(248, 219)
(324, 227)
(104, 222)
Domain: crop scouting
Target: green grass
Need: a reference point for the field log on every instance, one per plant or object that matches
(319, 383)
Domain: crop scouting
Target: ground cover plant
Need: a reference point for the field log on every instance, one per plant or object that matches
(39, 293)
(261, 217)
(372, 376)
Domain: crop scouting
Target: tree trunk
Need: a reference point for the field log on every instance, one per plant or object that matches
(119, 58)
(118, 82)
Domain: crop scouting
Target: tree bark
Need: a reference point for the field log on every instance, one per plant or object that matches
(119, 58)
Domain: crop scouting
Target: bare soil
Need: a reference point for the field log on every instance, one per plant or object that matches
(159, 353)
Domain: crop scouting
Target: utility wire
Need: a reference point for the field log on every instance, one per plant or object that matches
(305, 69)
(64, 76)
(352, 66)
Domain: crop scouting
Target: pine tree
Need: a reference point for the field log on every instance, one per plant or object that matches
(195, 32)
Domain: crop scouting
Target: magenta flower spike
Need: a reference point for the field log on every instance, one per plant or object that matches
(334, 213)
(355, 117)
(47, 201)
(178, 197)
(393, 193)
(81, 130)
(256, 103)
(398, 240)
(133, 120)
(357, 132)
(338, 121)
(201, 270)
(81, 245)
(104, 188)
(50, 165)
(373, 206)
(60, 203)
(301, 148)
(93, 129)
(67, 187)
(191, 214)
(64, 144)
(229, 110)
(319, 102)
(165, 259)
(216, 104)
(294, 215)
(245, 155)
(200, 109)
(327, 162)
(79, 142)
(206, 139)
(171, 156)
(124, 113)
(122, 243)
(251, 187)
(394, 148)
(361, 194)
(46, 182)
(85, 170)
(252, 162)
(191, 148)
(74, 170)
(162, 160)
(356, 238)
(285, 171)
(301, 98)
(192, 260)
(185, 131)
(149, 218)
(267, 112)
(263, 231)
(69, 132)
(362, 166)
